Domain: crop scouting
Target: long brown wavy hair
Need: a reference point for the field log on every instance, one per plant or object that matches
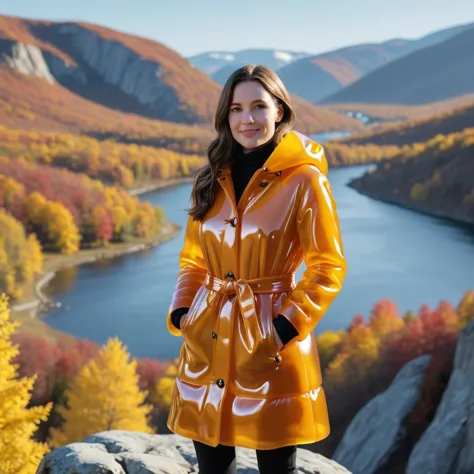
(222, 150)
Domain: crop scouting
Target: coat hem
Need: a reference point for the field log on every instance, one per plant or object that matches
(238, 443)
(286, 420)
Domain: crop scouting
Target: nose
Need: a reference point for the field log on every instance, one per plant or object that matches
(247, 117)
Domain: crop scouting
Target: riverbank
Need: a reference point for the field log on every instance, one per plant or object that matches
(407, 205)
(34, 303)
(148, 186)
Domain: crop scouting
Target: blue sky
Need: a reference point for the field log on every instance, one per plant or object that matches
(190, 26)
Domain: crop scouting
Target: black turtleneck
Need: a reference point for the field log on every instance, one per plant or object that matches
(243, 168)
(245, 164)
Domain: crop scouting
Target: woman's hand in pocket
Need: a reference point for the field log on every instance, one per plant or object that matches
(177, 317)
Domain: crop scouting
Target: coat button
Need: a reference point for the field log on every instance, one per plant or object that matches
(233, 222)
(265, 169)
(277, 358)
(278, 173)
(220, 383)
(214, 335)
(230, 275)
(263, 183)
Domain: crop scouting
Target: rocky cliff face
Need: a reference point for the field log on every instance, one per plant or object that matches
(115, 65)
(125, 452)
(447, 446)
(378, 427)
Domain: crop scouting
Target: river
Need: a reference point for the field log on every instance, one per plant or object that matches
(391, 253)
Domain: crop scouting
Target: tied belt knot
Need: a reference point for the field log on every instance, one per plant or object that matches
(246, 289)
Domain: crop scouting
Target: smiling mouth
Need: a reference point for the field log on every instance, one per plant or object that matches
(250, 132)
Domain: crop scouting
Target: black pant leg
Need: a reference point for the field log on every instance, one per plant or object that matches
(215, 460)
(277, 461)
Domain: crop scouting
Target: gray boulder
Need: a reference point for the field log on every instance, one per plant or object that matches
(447, 446)
(378, 427)
(126, 452)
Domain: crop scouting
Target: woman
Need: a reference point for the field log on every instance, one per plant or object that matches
(249, 372)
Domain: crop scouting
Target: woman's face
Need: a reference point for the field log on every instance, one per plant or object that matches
(253, 115)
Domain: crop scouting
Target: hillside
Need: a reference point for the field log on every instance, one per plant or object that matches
(417, 131)
(312, 119)
(118, 70)
(114, 83)
(434, 73)
(398, 113)
(317, 77)
(435, 177)
(30, 103)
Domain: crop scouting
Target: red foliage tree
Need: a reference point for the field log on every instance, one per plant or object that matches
(149, 372)
(37, 356)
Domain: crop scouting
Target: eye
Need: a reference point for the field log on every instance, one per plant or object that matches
(262, 106)
(235, 109)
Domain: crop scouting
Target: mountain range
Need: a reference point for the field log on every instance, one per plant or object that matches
(320, 77)
(434, 73)
(85, 78)
(121, 73)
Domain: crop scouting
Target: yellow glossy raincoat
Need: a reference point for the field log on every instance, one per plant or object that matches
(237, 273)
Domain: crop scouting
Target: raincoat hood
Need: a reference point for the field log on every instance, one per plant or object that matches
(296, 149)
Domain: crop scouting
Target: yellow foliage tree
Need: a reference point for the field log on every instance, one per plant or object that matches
(55, 221)
(103, 396)
(161, 216)
(360, 349)
(60, 228)
(465, 309)
(328, 345)
(10, 191)
(165, 386)
(19, 454)
(20, 255)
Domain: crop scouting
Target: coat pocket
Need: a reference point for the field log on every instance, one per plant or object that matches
(187, 319)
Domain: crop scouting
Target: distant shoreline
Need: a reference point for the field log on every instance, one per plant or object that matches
(149, 186)
(411, 207)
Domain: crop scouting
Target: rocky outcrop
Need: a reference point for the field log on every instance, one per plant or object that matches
(121, 452)
(26, 59)
(378, 427)
(447, 446)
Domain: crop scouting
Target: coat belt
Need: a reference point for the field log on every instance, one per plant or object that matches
(245, 289)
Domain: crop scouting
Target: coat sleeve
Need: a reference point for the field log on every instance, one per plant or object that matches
(191, 274)
(321, 243)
